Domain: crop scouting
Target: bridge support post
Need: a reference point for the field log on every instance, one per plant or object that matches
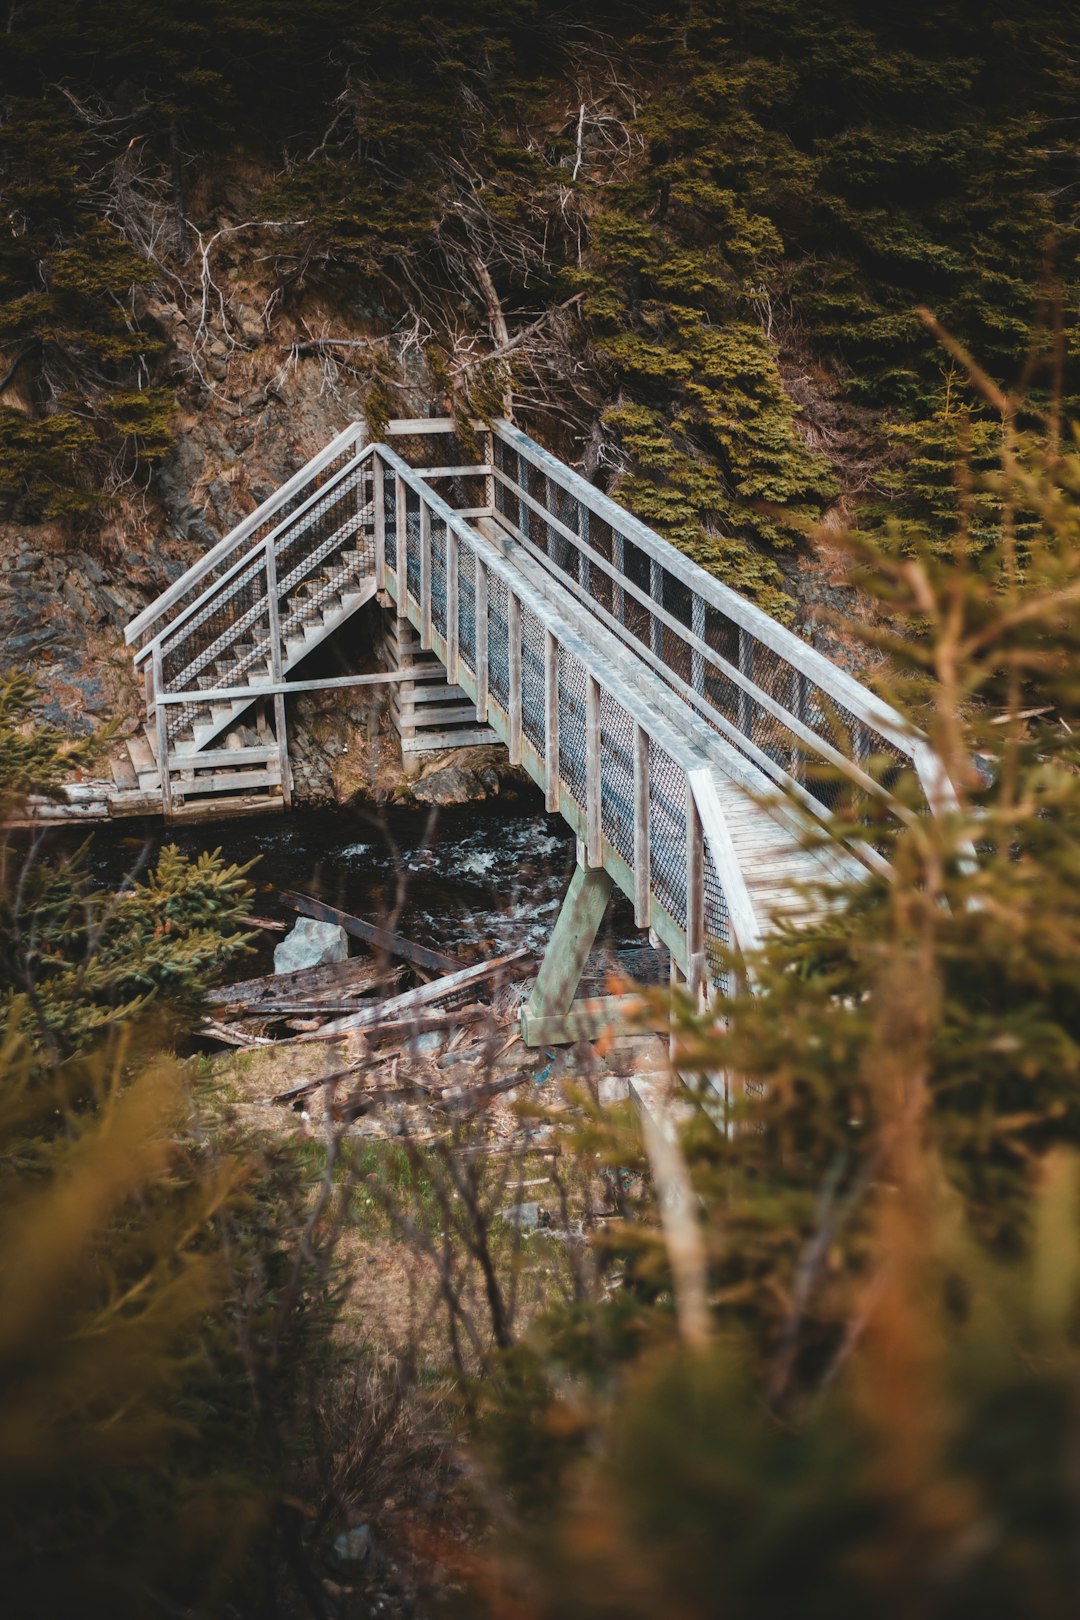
(547, 1020)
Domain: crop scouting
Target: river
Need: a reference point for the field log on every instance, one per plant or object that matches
(486, 876)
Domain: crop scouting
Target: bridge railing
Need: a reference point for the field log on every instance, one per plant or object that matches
(809, 726)
(221, 558)
(228, 619)
(630, 786)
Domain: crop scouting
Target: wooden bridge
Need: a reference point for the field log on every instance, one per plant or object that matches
(684, 735)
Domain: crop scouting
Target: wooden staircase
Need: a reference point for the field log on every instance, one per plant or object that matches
(232, 630)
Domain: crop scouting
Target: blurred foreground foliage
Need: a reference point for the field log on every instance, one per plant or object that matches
(834, 1368)
(163, 1330)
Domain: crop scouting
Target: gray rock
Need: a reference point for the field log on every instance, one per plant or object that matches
(526, 1217)
(453, 785)
(429, 1041)
(311, 944)
(353, 1546)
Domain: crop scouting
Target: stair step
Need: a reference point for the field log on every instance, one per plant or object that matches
(143, 763)
(437, 715)
(471, 737)
(124, 773)
(230, 781)
(188, 759)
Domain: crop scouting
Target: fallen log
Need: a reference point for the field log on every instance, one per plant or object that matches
(333, 979)
(398, 1026)
(381, 938)
(229, 1035)
(512, 965)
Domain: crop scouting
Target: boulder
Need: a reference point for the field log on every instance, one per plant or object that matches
(352, 1547)
(311, 944)
(528, 1217)
(454, 784)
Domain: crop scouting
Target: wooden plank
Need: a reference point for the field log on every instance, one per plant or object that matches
(422, 717)
(226, 781)
(429, 741)
(568, 948)
(134, 804)
(332, 978)
(161, 734)
(277, 671)
(381, 938)
(224, 806)
(415, 426)
(268, 688)
(124, 773)
(512, 965)
(212, 758)
(229, 1036)
(744, 923)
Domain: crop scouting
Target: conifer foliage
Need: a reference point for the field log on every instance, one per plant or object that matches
(879, 1412)
(723, 213)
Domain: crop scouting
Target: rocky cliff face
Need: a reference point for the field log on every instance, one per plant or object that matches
(249, 418)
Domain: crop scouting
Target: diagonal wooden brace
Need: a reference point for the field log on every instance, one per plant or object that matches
(544, 1020)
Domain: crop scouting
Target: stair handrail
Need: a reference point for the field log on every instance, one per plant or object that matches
(237, 535)
(262, 545)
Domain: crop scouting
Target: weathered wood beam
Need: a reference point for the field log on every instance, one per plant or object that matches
(510, 966)
(567, 951)
(382, 939)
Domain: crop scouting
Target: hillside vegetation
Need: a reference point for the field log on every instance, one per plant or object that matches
(714, 219)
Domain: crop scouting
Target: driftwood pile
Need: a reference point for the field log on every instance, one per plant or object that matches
(408, 1058)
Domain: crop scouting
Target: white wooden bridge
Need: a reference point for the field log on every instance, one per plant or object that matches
(683, 734)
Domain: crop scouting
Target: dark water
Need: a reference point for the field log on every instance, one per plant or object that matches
(487, 877)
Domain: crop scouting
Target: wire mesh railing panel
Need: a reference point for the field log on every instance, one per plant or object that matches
(617, 776)
(334, 553)
(717, 928)
(438, 574)
(466, 608)
(572, 725)
(412, 545)
(667, 832)
(533, 691)
(204, 578)
(210, 635)
(218, 645)
(389, 484)
(421, 449)
(498, 643)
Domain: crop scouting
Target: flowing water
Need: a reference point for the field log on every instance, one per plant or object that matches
(488, 877)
